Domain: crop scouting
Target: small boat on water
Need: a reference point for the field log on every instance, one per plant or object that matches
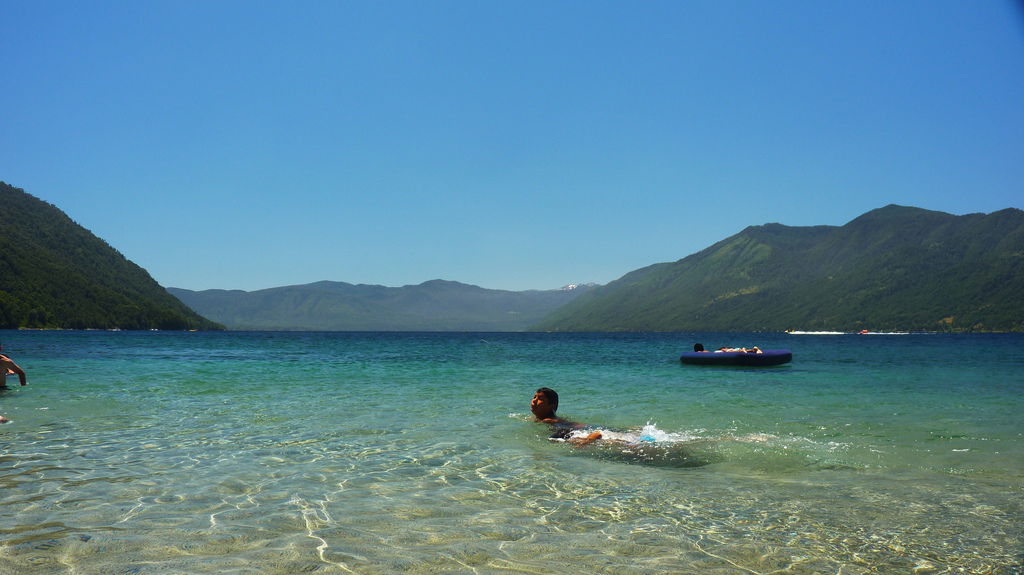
(742, 358)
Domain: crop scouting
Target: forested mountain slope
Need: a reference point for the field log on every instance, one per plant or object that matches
(56, 274)
(894, 268)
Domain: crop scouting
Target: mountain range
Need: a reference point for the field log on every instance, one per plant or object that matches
(893, 268)
(896, 268)
(435, 305)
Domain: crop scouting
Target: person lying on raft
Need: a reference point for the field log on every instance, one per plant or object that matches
(754, 349)
(699, 348)
(543, 406)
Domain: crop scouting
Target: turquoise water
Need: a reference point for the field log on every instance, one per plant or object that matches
(282, 453)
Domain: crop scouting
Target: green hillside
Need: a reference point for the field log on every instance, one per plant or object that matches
(56, 274)
(895, 268)
(337, 306)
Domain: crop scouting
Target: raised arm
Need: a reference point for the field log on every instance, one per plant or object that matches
(10, 366)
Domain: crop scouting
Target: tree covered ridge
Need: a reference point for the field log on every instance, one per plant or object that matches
(55, 274)
(894, 268)
(435, 305)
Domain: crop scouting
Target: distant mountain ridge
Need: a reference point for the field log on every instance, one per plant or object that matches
(436, 305)
(894, 268)
(56, 274)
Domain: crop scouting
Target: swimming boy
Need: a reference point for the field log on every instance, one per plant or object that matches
(544, 404)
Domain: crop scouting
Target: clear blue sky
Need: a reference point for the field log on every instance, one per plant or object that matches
(510, 144)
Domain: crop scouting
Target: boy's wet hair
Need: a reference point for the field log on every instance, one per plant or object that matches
(552, 396)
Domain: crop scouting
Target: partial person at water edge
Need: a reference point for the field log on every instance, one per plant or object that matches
(8, 367)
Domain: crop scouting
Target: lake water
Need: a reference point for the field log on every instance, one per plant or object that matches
(285, 453)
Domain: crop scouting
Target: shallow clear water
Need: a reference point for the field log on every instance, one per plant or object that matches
(161, 453)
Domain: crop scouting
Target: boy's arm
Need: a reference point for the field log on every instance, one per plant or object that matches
(580, 442)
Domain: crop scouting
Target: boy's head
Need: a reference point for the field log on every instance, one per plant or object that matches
(544, 403)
